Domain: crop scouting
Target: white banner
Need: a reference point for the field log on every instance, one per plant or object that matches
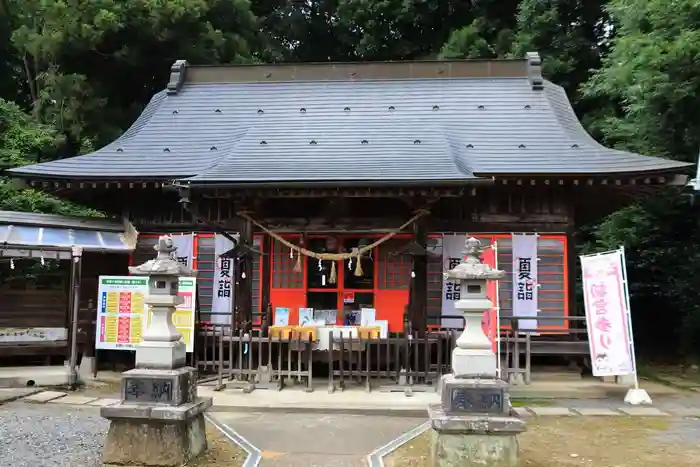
(222, 294)
(525, 280)
(607, 314)
(452, 248)
(185, 248)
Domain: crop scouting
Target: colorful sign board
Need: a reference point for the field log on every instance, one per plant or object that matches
(607, 314)
(122, 314)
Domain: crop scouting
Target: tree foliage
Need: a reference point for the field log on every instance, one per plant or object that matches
(23, 141)
(653, 74)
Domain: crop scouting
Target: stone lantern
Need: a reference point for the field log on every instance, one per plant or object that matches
(475, 423)
(160, 419)
(162, 346)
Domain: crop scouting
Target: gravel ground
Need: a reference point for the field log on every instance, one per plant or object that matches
(50, 436)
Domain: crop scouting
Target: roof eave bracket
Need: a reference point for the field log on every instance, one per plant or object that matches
(534, 71)
(178, 73)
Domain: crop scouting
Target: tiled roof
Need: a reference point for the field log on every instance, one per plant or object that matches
(414, 129)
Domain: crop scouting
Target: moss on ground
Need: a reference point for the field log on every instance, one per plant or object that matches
(593, 441)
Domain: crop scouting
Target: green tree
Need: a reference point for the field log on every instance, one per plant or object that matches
(653, 75)
(487, 32)
(81, 55)
(24, 141)
(661, 237)
(348, 30)
(572, 36)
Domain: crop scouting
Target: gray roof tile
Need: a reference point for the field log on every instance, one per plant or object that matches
(54, 220)
(466, 126)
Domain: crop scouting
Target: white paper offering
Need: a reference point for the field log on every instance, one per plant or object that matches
(306, 316)
(281, 316)
(368, 316)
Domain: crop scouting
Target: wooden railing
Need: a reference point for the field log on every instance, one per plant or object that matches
(251, 359)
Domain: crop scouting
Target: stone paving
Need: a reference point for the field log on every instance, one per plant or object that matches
(285, 439)
(50, 435)
(680, 406)
(331, 440)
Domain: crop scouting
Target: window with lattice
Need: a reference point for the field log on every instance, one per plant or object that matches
(283, 262)
(206, 262)
(394, 266)
(256, 279)
(435, 279)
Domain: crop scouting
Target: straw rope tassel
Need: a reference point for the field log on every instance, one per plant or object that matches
(358, 266)
(297, 265)
(333, 278)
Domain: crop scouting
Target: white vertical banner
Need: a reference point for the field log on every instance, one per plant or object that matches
(185, 248)
(607, 314)
(222, 294)
(525, 280)
(452, 248)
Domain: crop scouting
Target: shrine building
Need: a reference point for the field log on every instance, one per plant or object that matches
(353, 185)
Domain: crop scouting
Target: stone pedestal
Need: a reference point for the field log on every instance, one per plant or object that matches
(473, 354)
(461, 440)
(159, 421)
(474, 424)
(161, 355)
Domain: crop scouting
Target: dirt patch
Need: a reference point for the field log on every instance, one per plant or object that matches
(591, 441)
(530, 403)
(108, 389)
(222, 452)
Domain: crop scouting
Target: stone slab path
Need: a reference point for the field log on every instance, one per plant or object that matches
(12, 394)
(307, 440)
(677, 406)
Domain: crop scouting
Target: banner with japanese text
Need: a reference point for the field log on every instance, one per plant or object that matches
(222, 295)
(452, 253)
(525, 280)
(185, 248)
(452, 248)
(607, 314)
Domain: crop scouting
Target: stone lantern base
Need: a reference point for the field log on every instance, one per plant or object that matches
(159, 421)
(474, 425)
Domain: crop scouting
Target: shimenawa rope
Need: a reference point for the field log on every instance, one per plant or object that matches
(334, 256)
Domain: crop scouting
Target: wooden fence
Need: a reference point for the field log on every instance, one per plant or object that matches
(249, 360)
(408, 362)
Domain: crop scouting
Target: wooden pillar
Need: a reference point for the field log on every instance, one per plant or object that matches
(571, 256)
(244, 274)
(266, 276)
(418, 302)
